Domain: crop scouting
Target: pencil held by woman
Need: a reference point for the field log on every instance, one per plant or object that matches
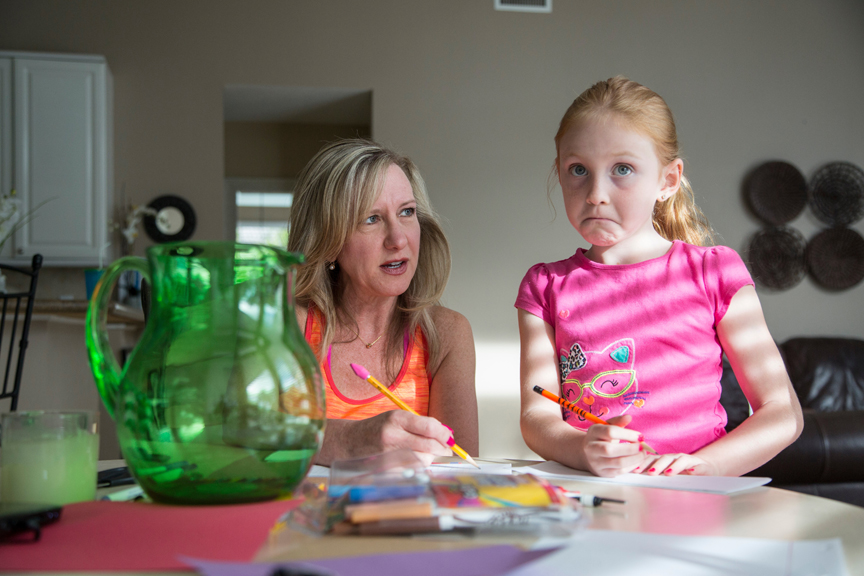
(365, 375)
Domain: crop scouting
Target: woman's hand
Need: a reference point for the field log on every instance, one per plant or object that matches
(674, 464)
(613, 450)
(393, 430)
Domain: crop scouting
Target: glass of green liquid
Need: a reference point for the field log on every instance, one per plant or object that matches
(48, 457)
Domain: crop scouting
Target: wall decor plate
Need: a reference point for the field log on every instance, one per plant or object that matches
(174, 220)
(837, 193)
(776, 257)
(776, 192)
(835, 258)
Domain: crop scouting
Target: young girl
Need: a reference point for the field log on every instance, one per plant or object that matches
(633, 329)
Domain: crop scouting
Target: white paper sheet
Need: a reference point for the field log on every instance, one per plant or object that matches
(709, 484)
(318, 471)
(605, 552)
(466, 468)
(486, 467)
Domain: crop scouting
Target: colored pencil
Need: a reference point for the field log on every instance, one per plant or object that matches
(584, 413)
(365, 375)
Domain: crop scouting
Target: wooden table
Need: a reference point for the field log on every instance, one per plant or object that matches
(758, 513)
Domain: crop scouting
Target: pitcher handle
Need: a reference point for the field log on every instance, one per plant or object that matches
(106, 370)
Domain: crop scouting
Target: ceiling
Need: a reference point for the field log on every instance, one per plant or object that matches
(297, 105)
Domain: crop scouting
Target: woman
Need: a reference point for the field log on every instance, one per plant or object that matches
(376, 265)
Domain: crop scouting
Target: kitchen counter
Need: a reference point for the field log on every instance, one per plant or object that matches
(57, 373)
(77, 309)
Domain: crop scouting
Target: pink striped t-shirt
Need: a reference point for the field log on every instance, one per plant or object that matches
(641, 338)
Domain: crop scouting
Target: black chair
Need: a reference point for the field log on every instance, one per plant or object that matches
(828, 458)
(11, 315)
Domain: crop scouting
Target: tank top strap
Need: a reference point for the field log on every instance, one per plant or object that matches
(411, 385)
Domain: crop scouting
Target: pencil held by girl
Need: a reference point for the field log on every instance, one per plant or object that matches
(634, 329)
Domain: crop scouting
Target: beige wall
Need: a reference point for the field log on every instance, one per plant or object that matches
(277, 149)
(474, 97)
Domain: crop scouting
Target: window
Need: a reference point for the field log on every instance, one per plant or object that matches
(262, 217)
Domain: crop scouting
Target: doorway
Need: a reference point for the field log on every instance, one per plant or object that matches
(271, 132)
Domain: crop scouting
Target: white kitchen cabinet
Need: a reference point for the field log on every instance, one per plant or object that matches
(5, 128)
(61, 154)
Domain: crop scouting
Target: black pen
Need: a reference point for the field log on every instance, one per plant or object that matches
(590, 499)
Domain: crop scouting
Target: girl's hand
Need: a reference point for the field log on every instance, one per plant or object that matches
(613, 450)
(674, 464)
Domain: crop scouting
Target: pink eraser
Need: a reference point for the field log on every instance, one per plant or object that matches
(360, 371)
(451, 442)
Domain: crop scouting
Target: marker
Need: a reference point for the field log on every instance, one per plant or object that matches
(590, 499)
(584, 413)
(390, 510)
(365, 375)
(375, 493)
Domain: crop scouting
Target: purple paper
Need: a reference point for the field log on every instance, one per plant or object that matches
(486, 561)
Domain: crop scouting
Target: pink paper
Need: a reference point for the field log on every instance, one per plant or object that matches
(105, 535)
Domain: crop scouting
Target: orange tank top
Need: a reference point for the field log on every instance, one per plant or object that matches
(411, 385)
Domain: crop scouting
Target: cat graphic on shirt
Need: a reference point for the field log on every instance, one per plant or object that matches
(603, 383)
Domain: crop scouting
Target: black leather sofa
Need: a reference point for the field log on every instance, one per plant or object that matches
(828, 458)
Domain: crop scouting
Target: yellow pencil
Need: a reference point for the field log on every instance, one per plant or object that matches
(365, 375)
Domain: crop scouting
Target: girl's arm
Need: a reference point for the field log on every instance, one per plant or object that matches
(543, 428)
(776, 421)
(452, 395)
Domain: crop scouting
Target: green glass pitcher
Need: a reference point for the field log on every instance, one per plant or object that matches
(221, 401)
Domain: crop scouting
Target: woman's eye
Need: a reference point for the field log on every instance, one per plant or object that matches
(409, 211)
(578, 170)
(371, 219)
(622, 170)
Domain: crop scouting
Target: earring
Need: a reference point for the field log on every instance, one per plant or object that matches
(332, 266)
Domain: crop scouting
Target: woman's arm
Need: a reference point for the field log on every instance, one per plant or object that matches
(546, 433)
(776, 421)
(452, 395)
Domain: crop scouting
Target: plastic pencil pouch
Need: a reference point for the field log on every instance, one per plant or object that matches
(399, 468)
(392, 476)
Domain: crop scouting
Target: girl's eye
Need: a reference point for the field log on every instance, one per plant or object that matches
(622, 170)
(578, 170)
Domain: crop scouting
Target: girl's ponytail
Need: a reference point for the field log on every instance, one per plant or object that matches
(680, 218)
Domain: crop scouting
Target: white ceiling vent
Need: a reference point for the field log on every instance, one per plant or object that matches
(524, 5)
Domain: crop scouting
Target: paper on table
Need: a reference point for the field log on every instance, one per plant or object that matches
(485, 561)
(709, 484)
(462, 467)
(466, 468)
(633, 553)
(100, 535)
(318, 472)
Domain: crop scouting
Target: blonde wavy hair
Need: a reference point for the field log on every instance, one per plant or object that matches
(643, 110)
(334, 193)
